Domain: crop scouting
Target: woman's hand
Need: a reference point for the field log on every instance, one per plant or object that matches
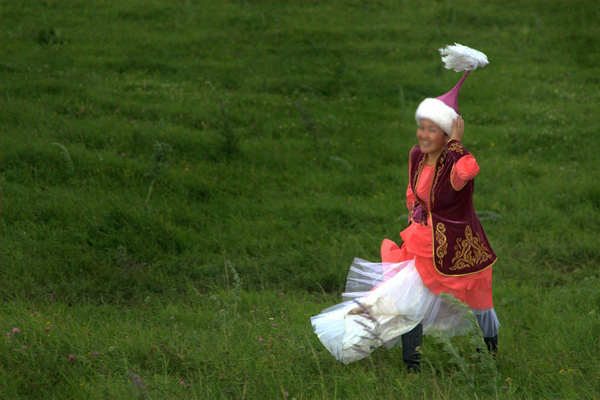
(458, 128)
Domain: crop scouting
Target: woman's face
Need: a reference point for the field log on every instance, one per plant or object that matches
(431, 137)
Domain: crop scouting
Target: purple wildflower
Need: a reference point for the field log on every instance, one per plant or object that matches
(138, 382)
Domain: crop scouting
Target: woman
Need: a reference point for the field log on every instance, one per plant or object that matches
(444, 248)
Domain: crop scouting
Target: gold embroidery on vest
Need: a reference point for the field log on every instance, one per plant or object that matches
(416, 178)
(440, 251)
(457, 147)
(417, 175)
(469, 251)
(441, 161)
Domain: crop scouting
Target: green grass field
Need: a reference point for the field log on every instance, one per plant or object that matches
(184, 183)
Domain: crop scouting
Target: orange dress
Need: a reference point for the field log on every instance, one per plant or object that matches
(474, 289)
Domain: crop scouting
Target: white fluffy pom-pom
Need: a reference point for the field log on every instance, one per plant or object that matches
(462, 58)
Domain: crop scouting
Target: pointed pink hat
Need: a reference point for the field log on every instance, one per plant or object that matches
(443, 110)
(451, 98)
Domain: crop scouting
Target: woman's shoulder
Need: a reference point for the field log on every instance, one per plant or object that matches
(415, 152)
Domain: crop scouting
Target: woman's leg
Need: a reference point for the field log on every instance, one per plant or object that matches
(410, 341)
(492, 344)
(489, 326)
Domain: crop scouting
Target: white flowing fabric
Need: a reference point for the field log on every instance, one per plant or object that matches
(397, 301)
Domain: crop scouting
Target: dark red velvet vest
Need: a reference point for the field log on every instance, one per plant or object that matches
(460, 246)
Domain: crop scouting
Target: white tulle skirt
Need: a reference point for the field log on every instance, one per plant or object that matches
(370, 318)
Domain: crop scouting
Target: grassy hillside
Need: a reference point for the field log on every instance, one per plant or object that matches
(160, 153)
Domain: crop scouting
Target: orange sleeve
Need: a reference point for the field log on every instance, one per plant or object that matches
(464, 170)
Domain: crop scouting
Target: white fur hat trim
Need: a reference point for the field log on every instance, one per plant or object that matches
(438, 112)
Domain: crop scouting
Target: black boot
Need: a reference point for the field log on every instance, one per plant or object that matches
(492, 344)
(410, 341)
